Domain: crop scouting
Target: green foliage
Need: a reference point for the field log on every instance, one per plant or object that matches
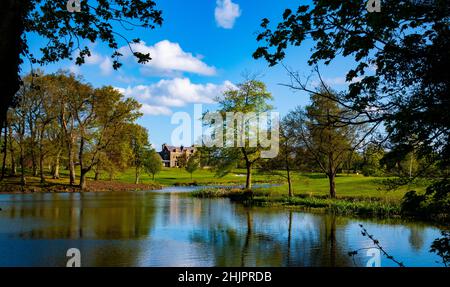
(441, 246)
(93, 23)
(61, 119)
(346, 206)
(192, 164)
(372, 156)
(63, 33)
(152, 163)
(182, 160)
(435, 202)
(248, 100)
(400, 78)
(320, 131)
(140, 146)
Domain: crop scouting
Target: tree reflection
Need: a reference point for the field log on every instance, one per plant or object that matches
(113, 219)
(416, 237)
(260, 237)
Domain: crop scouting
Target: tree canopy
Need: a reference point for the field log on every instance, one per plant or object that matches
(401, 55)
(64, 33)
(244, 104)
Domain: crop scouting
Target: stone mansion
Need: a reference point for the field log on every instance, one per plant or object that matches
(171, 154)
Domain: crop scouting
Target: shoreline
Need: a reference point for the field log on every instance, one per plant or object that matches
(53, 186)
(92, 186)
(355, 206)
(360, 207)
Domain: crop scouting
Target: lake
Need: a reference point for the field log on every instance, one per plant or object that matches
(170, 228)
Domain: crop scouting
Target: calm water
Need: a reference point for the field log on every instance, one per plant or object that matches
(170, 229)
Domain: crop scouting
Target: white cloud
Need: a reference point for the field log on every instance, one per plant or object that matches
(226, 13)
(159, 97)
(93, 59)
(155, 110)
(168, 58)
(106, 66)
(103, 62)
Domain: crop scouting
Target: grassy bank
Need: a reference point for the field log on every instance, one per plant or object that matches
(125, 180)
(33, 185)
(308, 185)
(356, 194)
(365, 206)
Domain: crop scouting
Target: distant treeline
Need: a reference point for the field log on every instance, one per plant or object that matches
(60, 121)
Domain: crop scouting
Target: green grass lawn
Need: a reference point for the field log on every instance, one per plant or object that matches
(306, 184)
(172, 176)
(346, 186)
(311, 184)
(356, 194)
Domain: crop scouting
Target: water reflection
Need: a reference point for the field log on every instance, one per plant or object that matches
(170, 229)
(80, 216)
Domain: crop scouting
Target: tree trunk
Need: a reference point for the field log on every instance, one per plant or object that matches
(71, 163)
(41, 156)
(12, 154)
(83, 179)
(248, 181)
(288, 173)
(97, 171)
(13, 171)
(291, 192)
(248, 165)
(5, 151)
(331, 178)
(55, 171)
(12, 13)
(332, 169)
(32, 149)
(83, 170)
(22, 167)
(153, 176)
(41, 166)
(137, 176)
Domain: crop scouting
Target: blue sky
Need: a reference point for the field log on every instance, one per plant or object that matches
(202, 48)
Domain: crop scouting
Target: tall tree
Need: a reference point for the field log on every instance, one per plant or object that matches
(182, 160)
(371, 160)
(101, 115)
(116, 156)
(287, 159)
(152, 163)
(401, 54)
(323, 135)
(17, 119)
(65, 92)
(4, 150)
(140, 146)
(63, 32)
(192, 164)
(46, 115)
(245, 103)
